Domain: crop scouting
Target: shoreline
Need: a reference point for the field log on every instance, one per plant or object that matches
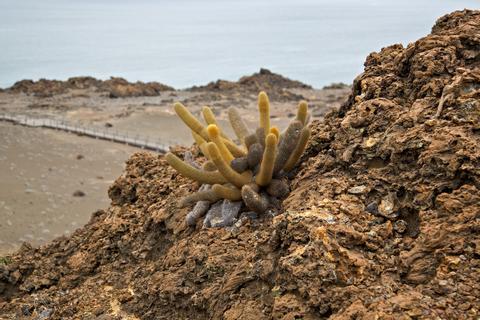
(148, 88)
(91, 80)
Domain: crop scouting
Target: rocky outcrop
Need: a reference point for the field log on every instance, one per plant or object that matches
(276, 85)
(383, 220)
(114, 87)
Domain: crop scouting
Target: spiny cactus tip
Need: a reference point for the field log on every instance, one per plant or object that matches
(271, 139)
(263, 102)
(213, 130)
(275, 131)
(208, 115)
(302, 112)
(303, 105)
(177, 105)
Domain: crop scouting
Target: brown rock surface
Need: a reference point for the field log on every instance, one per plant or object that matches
(383, 220)
(115, 87)
(276, 85)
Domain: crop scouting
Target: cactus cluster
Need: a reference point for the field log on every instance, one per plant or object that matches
(250, 175)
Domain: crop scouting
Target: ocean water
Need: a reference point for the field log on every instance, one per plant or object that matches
(191, 42)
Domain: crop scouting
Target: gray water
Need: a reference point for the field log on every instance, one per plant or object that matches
(190, 42)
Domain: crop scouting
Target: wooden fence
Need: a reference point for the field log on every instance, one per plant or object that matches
(94, 132)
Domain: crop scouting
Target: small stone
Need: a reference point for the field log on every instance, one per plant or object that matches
(214, 213)
(229, 214)
(387, 208)
(372, 208)
(357, 189)
(45, 314)
(370, 142)
(464, 306)
(249, 215)
(400, 226)
(372, 233)
(79, 193)
(27, 310)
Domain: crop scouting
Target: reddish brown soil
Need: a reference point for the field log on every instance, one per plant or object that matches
(383, 221)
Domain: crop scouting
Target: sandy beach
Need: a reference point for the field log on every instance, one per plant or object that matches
(51, 182)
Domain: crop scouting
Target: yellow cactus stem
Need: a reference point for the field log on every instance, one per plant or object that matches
(225, 192)
(209, 117)
(275, 131)
(264, 176)
(201, 143)
(208, 165)
(264, 109)
(297, 153)
(205, 195)
(203, 149)
(236, 151)
(248, 175)
(188, 171)
(198, 139)
(302, 112)
(214, 135)
(238, 125)
(190, 120)
(228, 173)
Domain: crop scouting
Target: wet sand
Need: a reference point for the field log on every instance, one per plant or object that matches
(41, 171)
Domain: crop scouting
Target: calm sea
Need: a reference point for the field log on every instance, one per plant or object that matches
(188, 42)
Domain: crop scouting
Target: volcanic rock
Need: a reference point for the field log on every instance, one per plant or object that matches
(335, 251)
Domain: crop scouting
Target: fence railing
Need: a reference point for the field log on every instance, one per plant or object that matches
(94, 132)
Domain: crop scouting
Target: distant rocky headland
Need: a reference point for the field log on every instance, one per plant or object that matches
(117, 87)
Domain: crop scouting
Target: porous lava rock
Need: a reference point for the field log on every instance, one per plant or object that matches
(383, 220)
